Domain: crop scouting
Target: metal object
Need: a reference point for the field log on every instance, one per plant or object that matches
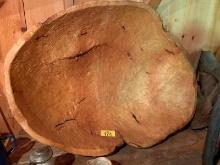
(99, 161)
(42, 156)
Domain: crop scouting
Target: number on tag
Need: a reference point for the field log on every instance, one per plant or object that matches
(108, 133)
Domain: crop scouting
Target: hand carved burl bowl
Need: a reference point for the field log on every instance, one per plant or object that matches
(100, 66)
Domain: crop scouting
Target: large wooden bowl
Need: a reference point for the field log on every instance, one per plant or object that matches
(99, 66)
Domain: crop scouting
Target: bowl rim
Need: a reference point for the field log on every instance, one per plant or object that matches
(17, 114)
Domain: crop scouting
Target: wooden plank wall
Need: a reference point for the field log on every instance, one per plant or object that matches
(16, 16)
(11, 22)
(38, 10)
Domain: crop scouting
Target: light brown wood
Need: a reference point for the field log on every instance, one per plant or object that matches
(153, 3)
(11, 21)
(68, 3)
(10, 29)
(77, 2)
(38, 11)
(96, 67)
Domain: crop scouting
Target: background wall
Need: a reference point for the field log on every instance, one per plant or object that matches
(194, 23)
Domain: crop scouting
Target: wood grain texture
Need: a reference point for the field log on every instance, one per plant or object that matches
(195, 24)
(38, 11)
(98, 67)
(153, 3)
(11, 21)
(68, 3)
(13, 24)
(10, 29)
(77, 2)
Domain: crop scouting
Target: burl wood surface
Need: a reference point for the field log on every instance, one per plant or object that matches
(96, 67)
